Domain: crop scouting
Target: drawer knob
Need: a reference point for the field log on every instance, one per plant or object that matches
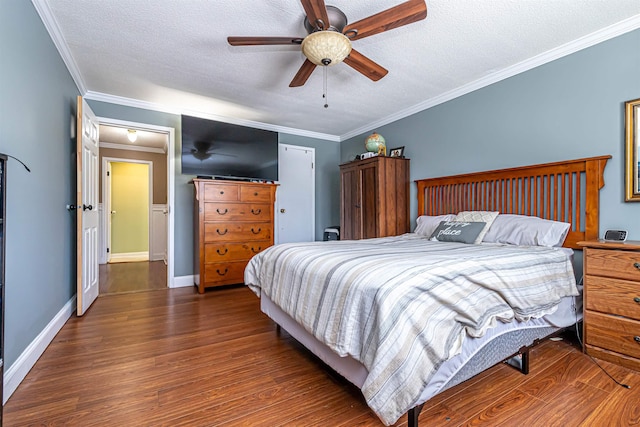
(255, 194)
(637, 338)
(221, 233)
(256, 251)
(256, 211)
(222, 213)
(637, 265)
(256, 232)
(637, 299)
(222, 253)
(223, 273)
(222, 192)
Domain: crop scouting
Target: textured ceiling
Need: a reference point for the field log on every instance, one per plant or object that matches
(173, 55)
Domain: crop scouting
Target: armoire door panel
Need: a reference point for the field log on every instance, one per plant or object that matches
(370, 203)
(349, 204)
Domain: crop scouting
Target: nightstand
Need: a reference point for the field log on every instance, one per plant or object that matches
(612, 301)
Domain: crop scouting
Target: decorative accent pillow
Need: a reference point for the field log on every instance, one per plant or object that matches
(457, 231)
(478, 216)
(426, 224)
(526, 230)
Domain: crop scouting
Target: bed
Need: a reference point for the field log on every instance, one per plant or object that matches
(405, 317)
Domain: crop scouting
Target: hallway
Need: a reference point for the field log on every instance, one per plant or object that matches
(127, 277)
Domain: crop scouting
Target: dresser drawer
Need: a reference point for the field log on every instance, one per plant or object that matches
(255, 193)
(224, 252)
(615, 296)
(224, 273)
(612, 333)
(613, 263)
(237, 232)
(221, 192)
(227, 211)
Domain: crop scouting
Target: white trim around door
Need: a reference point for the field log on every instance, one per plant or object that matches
(106, 211)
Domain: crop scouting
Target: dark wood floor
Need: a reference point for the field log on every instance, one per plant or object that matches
(132, 277)
(176, 358)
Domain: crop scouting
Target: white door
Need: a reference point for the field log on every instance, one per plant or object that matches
(295, 201)
(87, 199)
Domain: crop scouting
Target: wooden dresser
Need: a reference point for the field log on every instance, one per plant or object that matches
(233, 221)
(612, 301)
(374, 198)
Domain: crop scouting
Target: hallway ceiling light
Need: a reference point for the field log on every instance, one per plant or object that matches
(132, 135)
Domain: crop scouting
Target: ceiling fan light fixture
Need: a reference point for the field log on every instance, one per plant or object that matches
(326, 47)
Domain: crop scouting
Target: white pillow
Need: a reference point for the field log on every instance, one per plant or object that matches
(426, 224)
(478, 216)
(527, 231)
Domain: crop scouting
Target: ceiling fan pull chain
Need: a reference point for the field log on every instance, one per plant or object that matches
(324, 92)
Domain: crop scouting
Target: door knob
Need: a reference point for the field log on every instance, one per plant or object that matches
(282, 211)
(113, 212)
(85, 207)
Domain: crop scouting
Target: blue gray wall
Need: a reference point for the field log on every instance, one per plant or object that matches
(37, 99)
(567, 109)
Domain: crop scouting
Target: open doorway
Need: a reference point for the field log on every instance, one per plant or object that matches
(136, 186)
(128, 202)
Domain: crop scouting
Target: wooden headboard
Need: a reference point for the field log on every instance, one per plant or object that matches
(566, 191)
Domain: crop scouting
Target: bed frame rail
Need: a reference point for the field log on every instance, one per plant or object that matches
(565, 191)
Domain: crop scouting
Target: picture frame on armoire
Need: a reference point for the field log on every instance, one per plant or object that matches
(632, 143)
(396, 152)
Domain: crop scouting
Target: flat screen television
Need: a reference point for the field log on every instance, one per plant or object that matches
(223, 150)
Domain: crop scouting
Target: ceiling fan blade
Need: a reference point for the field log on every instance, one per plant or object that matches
(364, 65)
(303, 74)
(256, 41)
(397, 16)
(316, 10)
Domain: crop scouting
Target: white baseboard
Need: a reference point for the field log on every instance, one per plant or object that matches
(21, 367)
(182, 282)
(129, 257)
(158, 256)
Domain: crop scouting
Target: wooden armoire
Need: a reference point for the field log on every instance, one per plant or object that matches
(374, 198)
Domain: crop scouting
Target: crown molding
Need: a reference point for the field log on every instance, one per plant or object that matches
(589, 40)
(130, 102)
(50, 23)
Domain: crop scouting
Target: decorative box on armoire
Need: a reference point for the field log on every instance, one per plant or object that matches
(374, 199)
(233, 221)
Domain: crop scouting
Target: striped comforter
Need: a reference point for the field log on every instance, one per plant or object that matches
(402, 305)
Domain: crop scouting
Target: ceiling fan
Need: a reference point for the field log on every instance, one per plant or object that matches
(330, 36)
